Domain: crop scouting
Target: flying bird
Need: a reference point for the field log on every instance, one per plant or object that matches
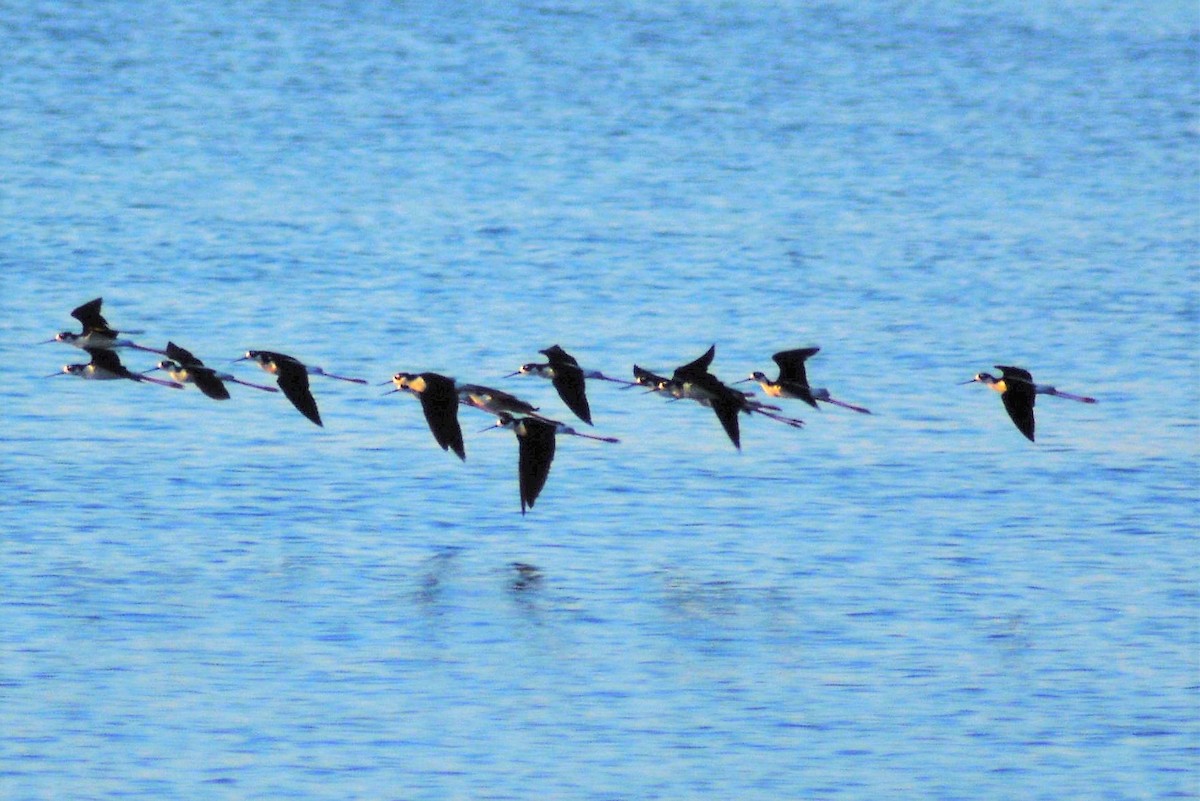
(536, 445)
(439, 401)
(1019, 393)
(185, 368)
(96, 334)
(567, 377)
(494, 401)
(793, 381)
(292, 376)
(695, 382)
(106, 366)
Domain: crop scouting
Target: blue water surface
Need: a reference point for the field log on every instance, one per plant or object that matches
(221, 600)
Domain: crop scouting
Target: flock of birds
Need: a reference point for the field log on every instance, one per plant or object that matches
(441, 396)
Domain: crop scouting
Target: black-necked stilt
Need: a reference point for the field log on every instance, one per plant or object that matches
(495, 401)
(97, 334)
(536, 444)
(693, 381)
(292, 376)
(793, 381)
(505, 420)
(185, 368)
(106, 366)
(568, 379)
(439, 400)
(653, 382)
(1019, 393)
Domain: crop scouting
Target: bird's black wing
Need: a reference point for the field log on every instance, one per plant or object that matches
(557, 356)
(183, 356)
(697, 367)
(568, 380)
(106, 360)
(1020, 408)
(439, 401)
(535, 440)
(1019, 397)
(1018, 373)
(791, 364)
(726, 408)
(207, 382)
(88, 314)
(292, 378)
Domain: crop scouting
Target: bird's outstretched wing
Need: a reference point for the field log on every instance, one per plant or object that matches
(88, 314)
(791, 364)
(439, 401)
(535, 440)
(293, 380)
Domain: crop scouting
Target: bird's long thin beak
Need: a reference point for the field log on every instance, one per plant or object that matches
(390, 392)
(492, 427)
(384, 383)
(745, 380)
(46, 341)
(60, 372)
(151, 370)
(510, 375)
(964, 383)
(240, 359)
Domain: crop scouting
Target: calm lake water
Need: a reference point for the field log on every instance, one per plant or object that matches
(221, 600)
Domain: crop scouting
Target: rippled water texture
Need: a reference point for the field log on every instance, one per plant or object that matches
(221, 600)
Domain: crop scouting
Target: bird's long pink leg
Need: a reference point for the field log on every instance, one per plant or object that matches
(171, 384)
(1060, 394)
(758, 406)
(794, 422)
(845, 405)
(602, 377)
(319, 371)
(248, 384)
(575, 433)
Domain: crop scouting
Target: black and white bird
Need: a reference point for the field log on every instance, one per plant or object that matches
(106, 366)
(536, 443)
(567, 377)
(439, 401)
(185, 368)
(495, 401)
(96, 334)
(793, 381)
(695, 382)
(292, 376)
(1019, 393)
(535, 453)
